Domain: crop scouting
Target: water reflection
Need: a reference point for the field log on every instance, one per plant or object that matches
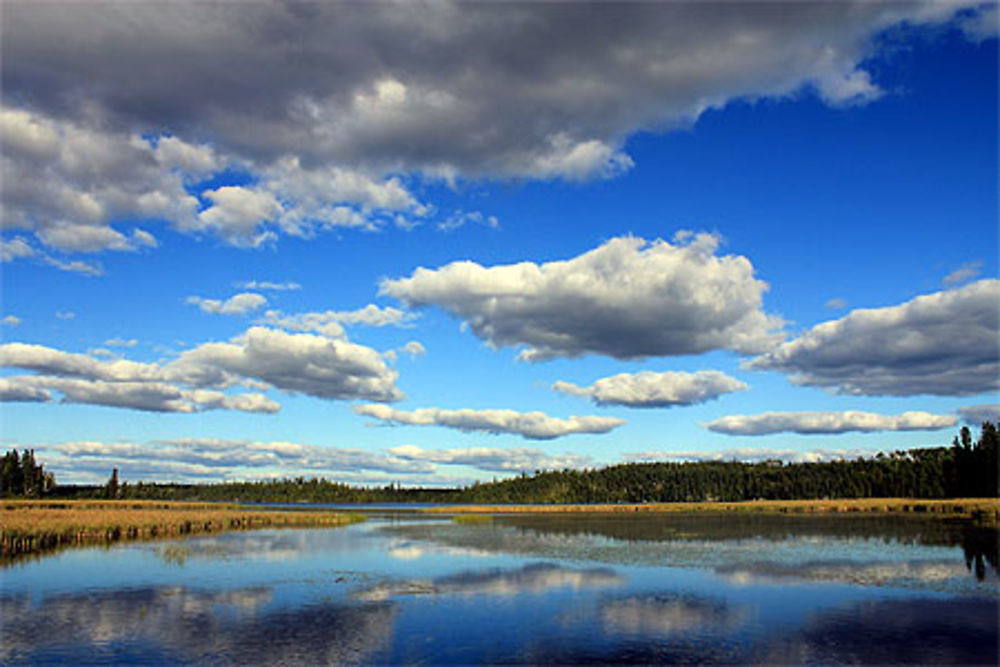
(534, 578)
(899, 573)
(863, 550)
(921, 631)
(539, 590)
(179, 624)
(670, 613)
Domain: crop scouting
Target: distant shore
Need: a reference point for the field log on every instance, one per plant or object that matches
(986, 509)
(31, 526)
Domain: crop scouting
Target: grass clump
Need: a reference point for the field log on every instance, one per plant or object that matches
(473, 518)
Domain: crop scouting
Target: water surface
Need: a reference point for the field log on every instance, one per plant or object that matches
(520, 589)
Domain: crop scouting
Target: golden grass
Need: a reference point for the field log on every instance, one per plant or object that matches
(982, 508)
(31, 526)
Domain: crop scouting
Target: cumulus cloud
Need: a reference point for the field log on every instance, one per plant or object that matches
(10, 320)
(70, 183)
(149, 396)
(943, 343)
(226, 458)
(492, 459)
(299, 363)
(627, 299)
(532, 425)
(12, 391)
(222, 459)
(238, 304)
(812, 423)
(648, 389)
(538, 91)
(977, 414)
(330, 322)
(751, 455)
(199, 378)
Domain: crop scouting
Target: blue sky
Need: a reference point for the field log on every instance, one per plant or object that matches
(449, 245)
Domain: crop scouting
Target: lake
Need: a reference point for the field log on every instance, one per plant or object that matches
(543, 589)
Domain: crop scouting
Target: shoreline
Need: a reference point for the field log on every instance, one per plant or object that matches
(985, 509)
(38, 526)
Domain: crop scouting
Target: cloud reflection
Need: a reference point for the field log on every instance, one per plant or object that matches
(533, 578)
(869, 574)
(182, 624)
(667, 614)
(910, 631)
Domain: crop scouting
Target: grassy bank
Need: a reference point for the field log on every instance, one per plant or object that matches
(987, 509)
(34, 526)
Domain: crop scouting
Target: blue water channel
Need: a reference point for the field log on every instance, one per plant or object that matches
(404, 588)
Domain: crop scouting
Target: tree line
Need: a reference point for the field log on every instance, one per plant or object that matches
(966, 469)
(23, 477)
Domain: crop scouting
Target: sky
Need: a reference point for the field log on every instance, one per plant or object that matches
(434, 243)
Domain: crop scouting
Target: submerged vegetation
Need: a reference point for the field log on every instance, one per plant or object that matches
(32, 526)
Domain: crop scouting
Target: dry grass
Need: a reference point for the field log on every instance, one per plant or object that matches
(981, 508)
(31, 526)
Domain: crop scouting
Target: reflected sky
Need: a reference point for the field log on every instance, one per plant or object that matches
(417, 590)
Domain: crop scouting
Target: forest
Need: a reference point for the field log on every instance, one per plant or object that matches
(968, 468)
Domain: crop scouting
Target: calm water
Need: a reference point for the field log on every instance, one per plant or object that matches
(408, 589)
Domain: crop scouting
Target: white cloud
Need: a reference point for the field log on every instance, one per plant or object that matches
(329, 323)
(461, 218)
(627, 299)
(235, 459)
(10, 320)
(751, 455)
(196, 380)
(238, 304)
(964, 273)
(977, 414)
(943, 343)
(68, 183)
(492, 459)
(12, 391)
(49, 361)
(121, 342)
(150, 396)
(299, 363)
(533, 425)
(450, 89)
(836, 303)
(648, 389)
(65, 315)
(267, 285)
(17, 247)
(237, 215)
(74, 266)
(812, 423)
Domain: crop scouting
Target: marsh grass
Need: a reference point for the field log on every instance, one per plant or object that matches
(982, 509)
(473, 518)
(34, 526)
